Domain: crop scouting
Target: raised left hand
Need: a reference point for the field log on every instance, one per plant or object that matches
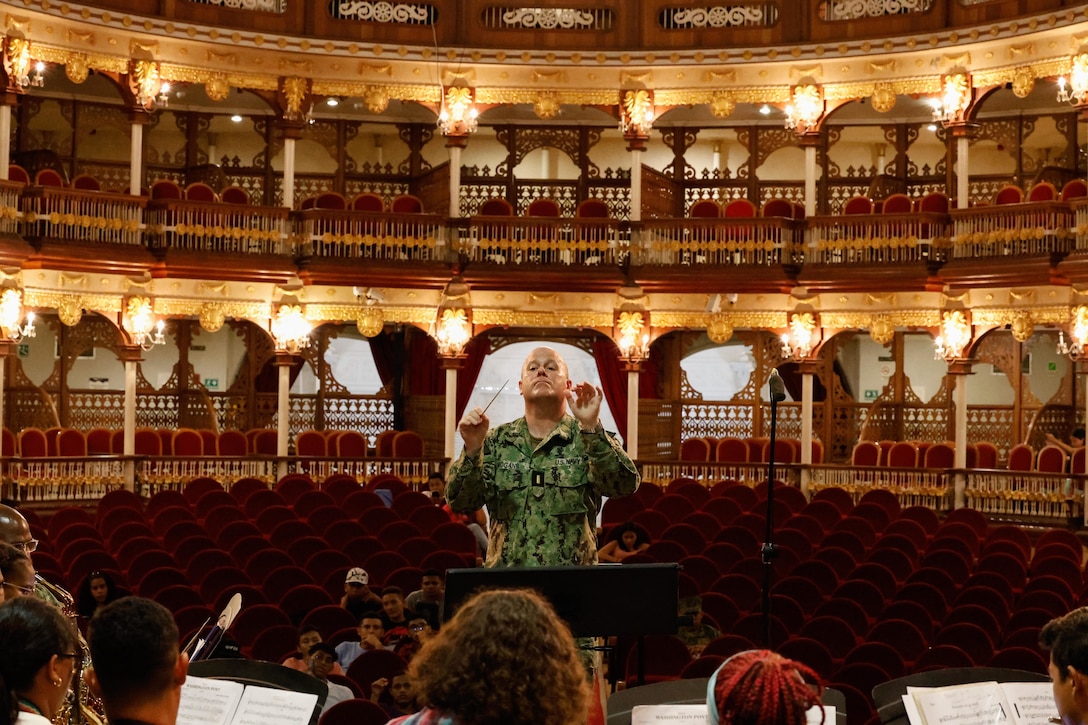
(585, 404)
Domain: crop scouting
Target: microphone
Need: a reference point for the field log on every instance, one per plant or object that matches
(778, 388)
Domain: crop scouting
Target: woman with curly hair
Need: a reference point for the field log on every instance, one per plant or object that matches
(504, 659)
(625, 540)
(760, 687)
(96, 591)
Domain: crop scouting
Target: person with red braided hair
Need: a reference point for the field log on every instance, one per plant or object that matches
(760, 687)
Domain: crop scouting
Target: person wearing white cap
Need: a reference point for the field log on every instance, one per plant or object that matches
(358, 597)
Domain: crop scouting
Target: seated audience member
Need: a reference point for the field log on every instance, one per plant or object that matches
(17, 572)
(420, 631)
(307, 638)
(625, 540)
(505, 658)
(759, 687)
(698, 634)
(401, 698)
(427, 600)
(1066, 638)
(138, 669)
(38, 650)
(395, 616)
(358, 597)
(476, 521)
(322, 660)
(1076, 440)
(96, 591)
(371, 634)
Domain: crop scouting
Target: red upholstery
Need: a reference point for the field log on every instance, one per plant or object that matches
(49, 177)
(1043, 191)
(406, 204)
(18, 173)
(330, 200)
(496, 207)
(86, 182)
(705, 209)
(593, 209)
(1009, 195)
(896, 204)
(165, 189)
(200, 191)
(858, 205)
(778, 208)
(235, 195)
(1074, 189)
(368, 201)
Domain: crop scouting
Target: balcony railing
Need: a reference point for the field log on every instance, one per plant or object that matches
(1012, 230)
(875, 238)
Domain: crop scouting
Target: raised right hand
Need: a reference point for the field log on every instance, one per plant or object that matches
(473, 427)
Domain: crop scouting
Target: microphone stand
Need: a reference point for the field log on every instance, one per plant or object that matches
(769, 550)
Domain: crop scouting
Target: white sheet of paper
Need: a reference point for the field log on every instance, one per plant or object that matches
(1032, 702)
(267, 706)
(671, 714)
(205, 701)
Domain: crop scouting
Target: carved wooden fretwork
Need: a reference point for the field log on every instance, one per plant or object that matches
(381, 11)
(770, 140)
(748, 15)
(263, 6)
(569, 141)
(679, 140)
(531, 18)
(834, 10)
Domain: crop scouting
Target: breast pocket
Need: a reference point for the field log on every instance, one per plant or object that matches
(511, 488)
(567, 496)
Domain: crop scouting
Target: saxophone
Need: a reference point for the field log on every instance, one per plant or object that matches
(81, 707)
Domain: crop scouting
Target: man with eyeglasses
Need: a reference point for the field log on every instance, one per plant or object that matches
(15, 530)
(16, 572)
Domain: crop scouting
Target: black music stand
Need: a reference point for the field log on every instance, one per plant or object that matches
(263, 674)
(595, 601)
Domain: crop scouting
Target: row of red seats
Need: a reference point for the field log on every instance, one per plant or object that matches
(746, 450)
(921, 454)
(36, 443)
(744, 209)
(365, 201)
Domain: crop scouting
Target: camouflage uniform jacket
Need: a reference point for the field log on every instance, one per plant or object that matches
(542, 501)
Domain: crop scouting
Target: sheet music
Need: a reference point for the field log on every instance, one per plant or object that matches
(670, 714)
(980, 703)
(1032, 702)
(208, 702)
(267, 706)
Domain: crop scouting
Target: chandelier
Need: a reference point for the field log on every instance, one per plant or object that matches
(637, 113)
(951, 106)
(797, 344)
(1075, 90)
(1078, 332)
(634, 347)
(954, 336)
(140, 323)
(458, 116)
(11, 316)
(805, 108)
(290, 329)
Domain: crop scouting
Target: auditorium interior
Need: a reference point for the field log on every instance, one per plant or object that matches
(257, 257)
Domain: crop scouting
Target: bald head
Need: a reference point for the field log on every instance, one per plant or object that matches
(13, 527)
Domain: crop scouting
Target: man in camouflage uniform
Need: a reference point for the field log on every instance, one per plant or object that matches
(541, 476)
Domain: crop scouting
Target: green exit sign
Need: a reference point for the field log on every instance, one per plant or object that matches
(872, 394)
(211, 383)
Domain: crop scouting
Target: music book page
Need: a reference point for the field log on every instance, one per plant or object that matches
(981, 703)
(208, 702)
(266, 705)
(696, 714)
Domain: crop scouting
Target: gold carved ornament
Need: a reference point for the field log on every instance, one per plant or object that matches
(217, 87)
(294, 92)
(720, 328)
(145, 81)
(1022, 326)
(212, 317)
(883, 98)
(70, 311)
(376, 99)
(546, 104)
(370, 321)
(1023, 82)
(77, 67)
(722, 104)
(881, 329)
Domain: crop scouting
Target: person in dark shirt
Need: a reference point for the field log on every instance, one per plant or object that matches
(358, 597)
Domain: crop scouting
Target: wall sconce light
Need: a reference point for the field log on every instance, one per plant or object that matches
(1078, 333)
(951, 106)
(11, 316)
(140, 323)
(147, 85)
(458, 115)
(633, 342)
(290, 329)
(955, 334)
(797, 344)
(637, 113)
(1075, 90)
(805, 108)
(453, 332)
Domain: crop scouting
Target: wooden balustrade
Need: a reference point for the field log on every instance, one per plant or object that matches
(544, 240)
(875, 238)
(1004, 230)
(366, 235)
(196, 226)
(82, 216)
(723, 241)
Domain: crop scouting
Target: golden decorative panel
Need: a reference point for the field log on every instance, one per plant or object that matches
(419, 315)
(234, 309)
(558, 318)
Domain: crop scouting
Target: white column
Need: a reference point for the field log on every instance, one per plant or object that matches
(963, 177)
(289, 173)
(283, 417)
(5, 140)
(455, 181)
(806, 425)
(135, 159)
(810, 180)
(450, 426)
(129, 447)
(960, 397)
(631, 440)
(636, 185)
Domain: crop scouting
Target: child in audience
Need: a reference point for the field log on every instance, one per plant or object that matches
(307, 638)
(322, 662)
(401, 697)
(625, 540)
(96, 591)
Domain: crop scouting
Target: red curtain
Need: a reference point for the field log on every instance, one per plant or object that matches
(387, 351)
(475, 351)
(613, 380)
(650, 374)
(425, 374)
